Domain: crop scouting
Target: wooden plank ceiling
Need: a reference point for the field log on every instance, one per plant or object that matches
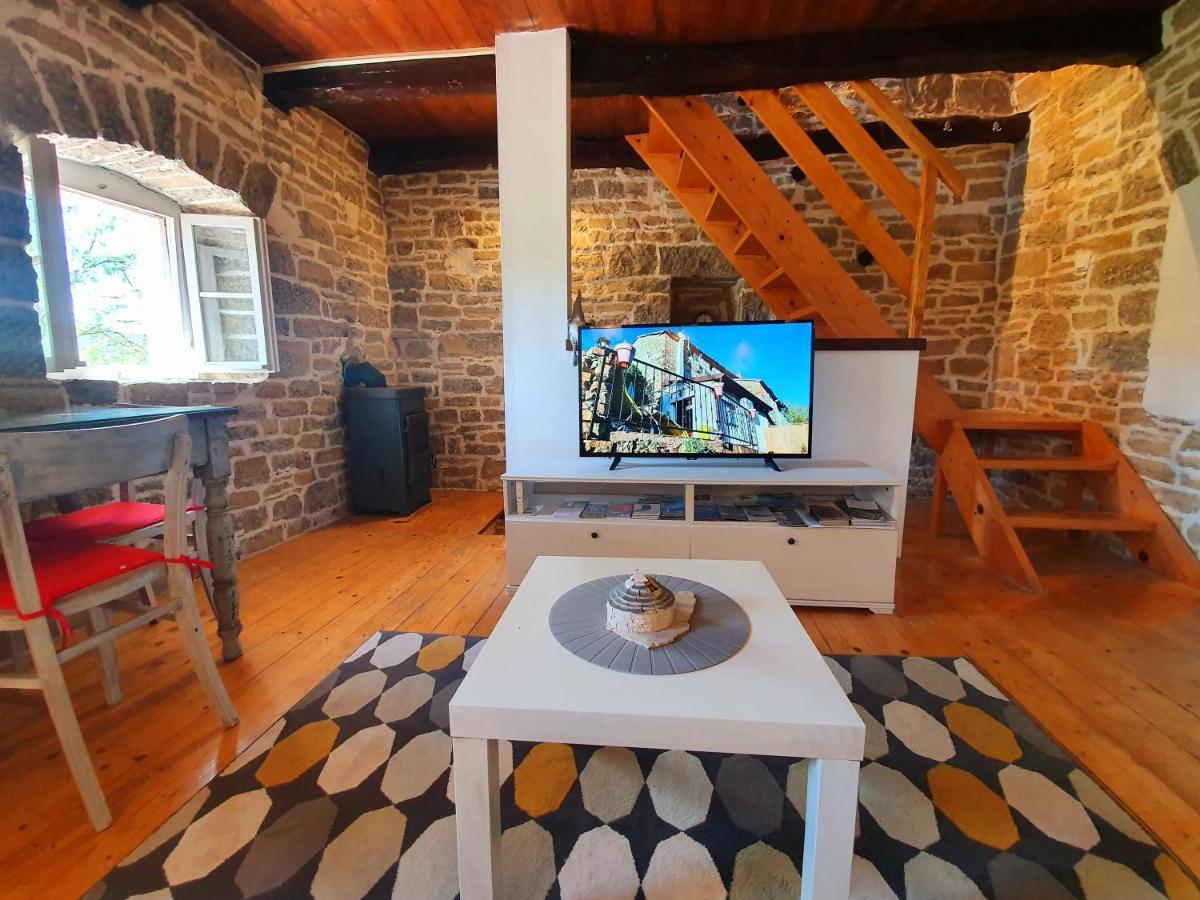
(283, 31)
(628, 47)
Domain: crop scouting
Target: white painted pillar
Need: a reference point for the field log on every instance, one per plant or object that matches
(533, 106)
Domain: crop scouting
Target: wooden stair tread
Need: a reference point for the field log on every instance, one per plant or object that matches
(1076, 520)
(777, 280)
(1048, 463)
(998, 420)
(749, 245)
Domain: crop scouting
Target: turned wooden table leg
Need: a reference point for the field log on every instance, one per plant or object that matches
(222, 542)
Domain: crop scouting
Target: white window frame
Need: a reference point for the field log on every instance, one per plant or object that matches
(54, 274)
(195, 260)
(47, 176)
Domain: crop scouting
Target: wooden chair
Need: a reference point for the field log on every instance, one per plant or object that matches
(127, 522)
(56, 580)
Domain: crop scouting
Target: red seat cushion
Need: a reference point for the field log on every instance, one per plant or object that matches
(62, 569)
(96, 523)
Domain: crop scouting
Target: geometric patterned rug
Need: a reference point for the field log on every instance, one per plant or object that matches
(351, 795)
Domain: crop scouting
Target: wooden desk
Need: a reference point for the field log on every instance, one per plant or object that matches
(210, 463)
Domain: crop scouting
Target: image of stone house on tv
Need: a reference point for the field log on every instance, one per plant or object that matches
(661, 393)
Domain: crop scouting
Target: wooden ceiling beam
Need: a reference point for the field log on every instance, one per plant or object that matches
(608, 67)
(603, 66)
(392, 158)
(415, 76)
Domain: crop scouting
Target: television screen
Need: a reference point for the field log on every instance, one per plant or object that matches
(742, 389)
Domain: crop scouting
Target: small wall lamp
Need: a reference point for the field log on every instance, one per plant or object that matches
(575, 321)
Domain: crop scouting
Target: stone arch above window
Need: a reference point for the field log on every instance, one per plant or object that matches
(170, 177)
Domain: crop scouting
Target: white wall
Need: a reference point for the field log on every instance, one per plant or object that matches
(1173, 382)
(533, 98)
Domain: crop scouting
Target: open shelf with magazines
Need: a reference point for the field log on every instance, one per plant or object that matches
(827, 531)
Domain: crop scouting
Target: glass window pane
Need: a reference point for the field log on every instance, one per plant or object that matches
(230, 329)
(223, 260)
(123, 295)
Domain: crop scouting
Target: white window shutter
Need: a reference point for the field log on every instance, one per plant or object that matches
(229, 291)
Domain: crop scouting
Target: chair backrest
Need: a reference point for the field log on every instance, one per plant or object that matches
(42, 463)
(45, 463)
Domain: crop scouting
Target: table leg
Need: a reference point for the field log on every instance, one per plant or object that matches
(222, 542)
(829, 828)
(477, 813)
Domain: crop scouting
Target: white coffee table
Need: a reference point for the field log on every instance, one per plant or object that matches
(776, 697)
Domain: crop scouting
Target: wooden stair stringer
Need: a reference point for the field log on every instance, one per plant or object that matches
(834, 296)
(723, 233)
(767, 214)
(1122, 491)
(987, 522)
(795, 141)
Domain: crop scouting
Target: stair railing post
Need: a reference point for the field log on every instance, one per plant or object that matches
(926, 211)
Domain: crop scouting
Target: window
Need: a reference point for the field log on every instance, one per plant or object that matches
(131, 287)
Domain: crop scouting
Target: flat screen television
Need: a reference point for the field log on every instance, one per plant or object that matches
(738, 390)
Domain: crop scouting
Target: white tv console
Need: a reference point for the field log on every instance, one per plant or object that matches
(846, 567)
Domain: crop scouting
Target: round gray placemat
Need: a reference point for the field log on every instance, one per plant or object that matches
(719, 629)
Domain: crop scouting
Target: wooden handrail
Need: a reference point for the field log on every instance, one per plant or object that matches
(921, 247)
(860, 145)
(907, 132)
(833, 187)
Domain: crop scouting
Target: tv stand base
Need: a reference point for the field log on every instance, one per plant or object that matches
(616, 461)
(771, 464)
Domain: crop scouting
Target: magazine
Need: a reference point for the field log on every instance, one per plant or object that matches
(730, 513)
(706, 511)
(759, 514)
(866, 514)
(595, 510)
(654, 498)
(646, 510)
(620, 510)
(570, 509)
(828, 514)
(792, 518)
(671, 509)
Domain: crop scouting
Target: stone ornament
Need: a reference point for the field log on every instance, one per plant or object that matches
(649, 624)
(640, 605)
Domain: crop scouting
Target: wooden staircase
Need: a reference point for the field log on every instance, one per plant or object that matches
(771, 246)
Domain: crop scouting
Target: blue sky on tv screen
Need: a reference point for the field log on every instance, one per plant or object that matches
(779, 353)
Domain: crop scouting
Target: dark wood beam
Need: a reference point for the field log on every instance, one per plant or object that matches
(605, 66)
(410, 78)
(602, 66)
(393, 158)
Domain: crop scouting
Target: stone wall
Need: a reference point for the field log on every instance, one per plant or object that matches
(986, 94)
(629, 238)
(1080, 267)
(166, 93)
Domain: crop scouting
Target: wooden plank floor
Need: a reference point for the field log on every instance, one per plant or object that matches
(1108, 663)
